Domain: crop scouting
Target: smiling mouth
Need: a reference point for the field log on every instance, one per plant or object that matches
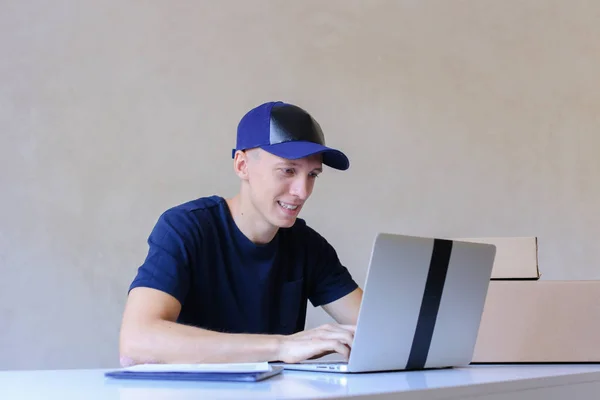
(287, 206)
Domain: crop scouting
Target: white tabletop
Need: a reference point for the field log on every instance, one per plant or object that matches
(433, 384)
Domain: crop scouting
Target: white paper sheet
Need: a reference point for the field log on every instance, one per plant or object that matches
(219, 367)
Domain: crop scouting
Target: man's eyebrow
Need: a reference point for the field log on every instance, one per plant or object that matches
(288, 164)
(295, 164)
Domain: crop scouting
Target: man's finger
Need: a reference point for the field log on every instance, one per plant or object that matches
(337, 328)
(324, 347)
(351, 328)
(341, 336)
(310, 349)
(335, 346)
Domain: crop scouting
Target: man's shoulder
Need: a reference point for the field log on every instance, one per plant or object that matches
(197, 207)
(199, 204)
(197, 212)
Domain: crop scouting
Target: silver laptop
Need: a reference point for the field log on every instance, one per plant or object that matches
(422, 305)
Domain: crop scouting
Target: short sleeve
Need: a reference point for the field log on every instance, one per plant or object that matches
(330, 280)
(167, 264)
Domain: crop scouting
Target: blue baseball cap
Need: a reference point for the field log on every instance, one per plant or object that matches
(286, 131)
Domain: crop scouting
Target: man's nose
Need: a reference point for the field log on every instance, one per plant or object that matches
(300, 188)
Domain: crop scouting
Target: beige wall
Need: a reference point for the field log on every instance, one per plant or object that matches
(470, 118)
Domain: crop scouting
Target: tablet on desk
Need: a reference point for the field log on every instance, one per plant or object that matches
(240, 372)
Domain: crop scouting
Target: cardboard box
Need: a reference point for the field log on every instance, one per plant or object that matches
(540, 321)
(516, 257)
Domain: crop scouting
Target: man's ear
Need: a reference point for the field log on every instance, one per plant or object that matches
(240, 164)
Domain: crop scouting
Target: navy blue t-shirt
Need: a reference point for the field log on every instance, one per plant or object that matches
(226, 283)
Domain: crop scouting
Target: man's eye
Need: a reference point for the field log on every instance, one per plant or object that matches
(288, 171)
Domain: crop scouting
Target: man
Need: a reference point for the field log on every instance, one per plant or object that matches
(228, 280)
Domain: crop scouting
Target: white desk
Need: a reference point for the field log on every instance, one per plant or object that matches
(546, 382)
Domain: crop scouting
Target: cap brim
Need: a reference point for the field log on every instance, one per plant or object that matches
(299, 149)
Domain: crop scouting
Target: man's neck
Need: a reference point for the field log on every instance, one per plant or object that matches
(249, 221)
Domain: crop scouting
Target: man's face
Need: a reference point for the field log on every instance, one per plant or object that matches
(279, 187)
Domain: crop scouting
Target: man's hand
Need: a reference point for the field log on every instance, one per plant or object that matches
(317, 342)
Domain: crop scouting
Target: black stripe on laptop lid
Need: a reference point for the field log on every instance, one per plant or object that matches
(432, 295)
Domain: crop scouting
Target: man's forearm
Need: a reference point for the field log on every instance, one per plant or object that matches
(170, 342)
